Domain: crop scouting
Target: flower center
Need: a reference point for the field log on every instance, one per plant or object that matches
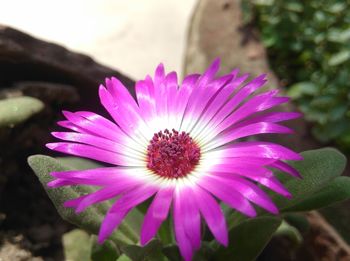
(171, 154)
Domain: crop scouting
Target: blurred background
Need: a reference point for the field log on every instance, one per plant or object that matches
(132, 36)
(59, 51)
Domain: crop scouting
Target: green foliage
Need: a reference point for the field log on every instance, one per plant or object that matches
(308, 47)
(91, 218)
(336, 191)
(285, 229)
(320, 186)
(248, 239)
(79, 245)
(152, 251)
(318, 169)
(18, 109)
(105, 252)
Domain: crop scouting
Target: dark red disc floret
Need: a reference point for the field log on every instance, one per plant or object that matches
(172, 154)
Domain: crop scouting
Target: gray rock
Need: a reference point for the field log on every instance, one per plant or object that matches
(25, 58)
(217, 30)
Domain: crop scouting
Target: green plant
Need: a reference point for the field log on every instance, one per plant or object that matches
(308, 45)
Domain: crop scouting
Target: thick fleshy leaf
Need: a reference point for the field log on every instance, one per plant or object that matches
(90, 219)
(78, 163)
(18, 109)
(248, 239)
(76, 245)
(152, 251)
(105, 252)
(123, 257)
(291, 232)
(336, 191)
(318, 168)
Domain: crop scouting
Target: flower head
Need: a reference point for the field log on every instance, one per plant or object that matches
(180, 144)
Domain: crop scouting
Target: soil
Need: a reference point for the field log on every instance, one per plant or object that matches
(30, 224)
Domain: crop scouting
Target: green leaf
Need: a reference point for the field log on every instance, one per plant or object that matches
(294, 7)
(289, 231)
(248, 239)
(339, 58)
(337, 190)
(18, 109)
(297, 220)
(105, 252)
(152, 251)
(302, 88)
(78, 163)
(76, 245)
(172, 253)
(124, 257)
(318, 168)
(91, 218)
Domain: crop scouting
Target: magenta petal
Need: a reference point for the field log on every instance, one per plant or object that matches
(98, 177)
(239, 97)
(227, 195)
(242, 169)
(202, 97)
(249, 190)
(219, 101)
(227, 159)
(100, 195)
(120, 92)
(183, 241)
(191, 217)
(156, 214)
(256, 104)
(145, 99)
(90, 152)
(209, 74)
(248, 89)
(271, 182)
(96, 124)
(204, 90)
(286, 168)
(260, 150)
(212, 215)
(97, 142)
(261, 175)
(184, 93)
(270, 117)
(110, 223)
(111, 173)
(69, 125)
(121, 208)
(172, 87)
(249, 130)
(60, 183)
(123, 113)
(159, 74)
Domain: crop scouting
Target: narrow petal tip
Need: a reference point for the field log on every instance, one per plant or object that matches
(288, 195)
(51, 146)
(56, 134)
(101, 88)
(80, 209)
(144, 240)
(101, 238)
(52, 184)
(274, 210)
(67, 113)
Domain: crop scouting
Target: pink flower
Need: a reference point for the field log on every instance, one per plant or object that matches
(179, 143)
